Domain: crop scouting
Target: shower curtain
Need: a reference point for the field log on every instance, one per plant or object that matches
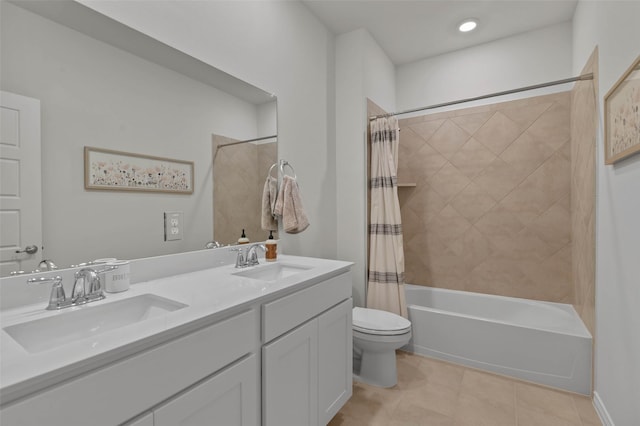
(385, 289)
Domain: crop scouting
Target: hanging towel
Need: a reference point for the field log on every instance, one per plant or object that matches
(294, 217)
(269, 196)
(279, 206)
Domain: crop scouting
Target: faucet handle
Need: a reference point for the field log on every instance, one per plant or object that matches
(241, 262)
(57, 298)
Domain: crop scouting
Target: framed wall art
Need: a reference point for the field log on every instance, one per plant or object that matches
(622, 116)
(105, 169)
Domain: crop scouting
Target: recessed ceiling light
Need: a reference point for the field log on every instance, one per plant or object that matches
(468, 25)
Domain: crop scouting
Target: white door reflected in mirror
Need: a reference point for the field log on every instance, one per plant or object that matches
(20, 183)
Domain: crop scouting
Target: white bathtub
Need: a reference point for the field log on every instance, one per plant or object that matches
(540, 342)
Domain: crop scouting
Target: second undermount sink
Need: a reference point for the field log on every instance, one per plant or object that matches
(88, 321)
(272, 272)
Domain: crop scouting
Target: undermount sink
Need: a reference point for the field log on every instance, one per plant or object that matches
(88, 321)
(272, 272)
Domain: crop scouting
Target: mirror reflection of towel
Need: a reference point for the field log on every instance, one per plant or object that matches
(269, 221)
(289, 205)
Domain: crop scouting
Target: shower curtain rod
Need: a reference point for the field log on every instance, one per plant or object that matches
(248, 140)
(492, 95)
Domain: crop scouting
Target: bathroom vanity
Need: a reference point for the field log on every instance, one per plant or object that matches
(269, 344)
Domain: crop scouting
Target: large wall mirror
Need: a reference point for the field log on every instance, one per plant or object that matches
(101, 84)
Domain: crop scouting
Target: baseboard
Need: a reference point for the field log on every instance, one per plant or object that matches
(605, 418)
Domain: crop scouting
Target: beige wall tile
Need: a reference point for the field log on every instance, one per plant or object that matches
(499, 179)
(526, 153)
(499, 223)
(448, 139)
(473, 202)
(525, 115)
(426, 129)
(473, 121)
(488, 223)
(449, 225)
(583, 155)
(553, 226)
(552, 127)
(498, 133)
(472, 158)
(448, 182)
(424, 201)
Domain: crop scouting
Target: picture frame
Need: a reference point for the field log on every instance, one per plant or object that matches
(109, 170)
(622, 116)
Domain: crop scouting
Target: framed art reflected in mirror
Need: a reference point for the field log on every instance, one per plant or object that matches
(106, 169)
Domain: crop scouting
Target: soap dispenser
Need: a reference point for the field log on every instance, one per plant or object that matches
(243, 239)
(271, 244)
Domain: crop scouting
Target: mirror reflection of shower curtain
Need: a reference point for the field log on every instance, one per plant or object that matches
(386, 255)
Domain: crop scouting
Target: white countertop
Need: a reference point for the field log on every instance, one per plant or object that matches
(209, 294)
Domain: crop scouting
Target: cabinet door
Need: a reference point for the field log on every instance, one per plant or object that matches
(290, 378)
(228, 398)
(335, 359)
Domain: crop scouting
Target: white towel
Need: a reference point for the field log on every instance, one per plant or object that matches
(269, 194)
(294, 217)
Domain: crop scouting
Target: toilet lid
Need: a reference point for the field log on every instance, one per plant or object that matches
(374, 321)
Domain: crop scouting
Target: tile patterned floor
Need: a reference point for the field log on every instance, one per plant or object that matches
(435, 393)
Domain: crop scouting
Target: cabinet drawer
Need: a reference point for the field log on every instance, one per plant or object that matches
(288, 312)
(120, 391)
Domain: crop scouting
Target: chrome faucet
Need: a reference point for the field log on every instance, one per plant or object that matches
(47, 265)
(252, 256)
(82, 294)
(248, 257)
(86, 288)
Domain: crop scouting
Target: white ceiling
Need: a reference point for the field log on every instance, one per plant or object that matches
(409, 30)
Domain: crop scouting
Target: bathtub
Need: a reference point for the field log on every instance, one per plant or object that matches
(540, 342)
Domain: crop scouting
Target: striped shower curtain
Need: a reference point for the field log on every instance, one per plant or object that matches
(386, 255)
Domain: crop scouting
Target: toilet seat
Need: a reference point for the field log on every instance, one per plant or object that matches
(374, 321)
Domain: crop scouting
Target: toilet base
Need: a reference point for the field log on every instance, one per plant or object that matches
(370, 369)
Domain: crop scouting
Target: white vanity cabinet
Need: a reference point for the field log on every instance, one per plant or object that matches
(118, 392)
(306, 372)
(279, 359)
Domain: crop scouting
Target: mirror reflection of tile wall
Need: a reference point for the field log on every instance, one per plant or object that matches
(491, 209)
(237, 198)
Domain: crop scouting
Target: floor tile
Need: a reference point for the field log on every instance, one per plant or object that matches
(437, 393)
(528, 417)
(472, 411)
(546, 401)
(488, 386)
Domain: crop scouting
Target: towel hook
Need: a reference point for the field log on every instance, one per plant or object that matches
(283, 164)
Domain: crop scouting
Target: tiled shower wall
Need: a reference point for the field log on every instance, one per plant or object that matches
(490, 211)
(239, 173)
(583, 144)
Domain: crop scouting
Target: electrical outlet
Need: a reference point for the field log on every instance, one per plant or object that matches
(173, 226)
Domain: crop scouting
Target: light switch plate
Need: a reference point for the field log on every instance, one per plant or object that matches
(173, 226)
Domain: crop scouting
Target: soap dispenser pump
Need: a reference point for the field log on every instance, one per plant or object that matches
(271, 244)
(243, 239)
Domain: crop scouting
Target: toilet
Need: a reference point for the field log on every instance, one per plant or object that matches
(376, 336)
